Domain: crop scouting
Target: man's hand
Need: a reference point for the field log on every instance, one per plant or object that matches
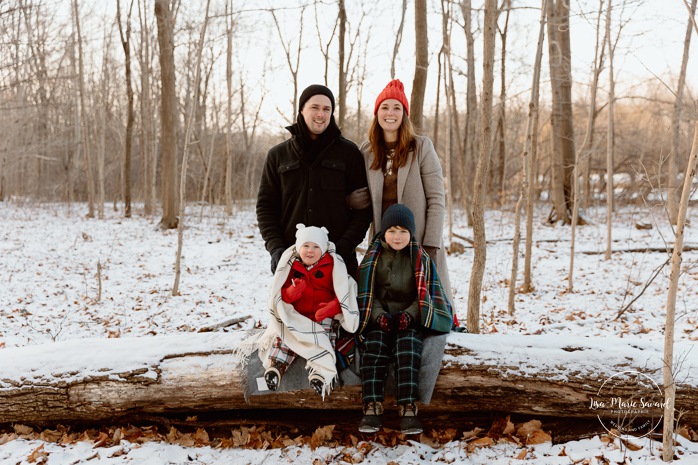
(359, 199)
(275, 257)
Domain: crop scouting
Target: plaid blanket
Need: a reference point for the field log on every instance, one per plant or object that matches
(435, 310)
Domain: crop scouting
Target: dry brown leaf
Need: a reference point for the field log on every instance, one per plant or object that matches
(685, 431)
(471, 434)
(482, 442)
(50, 435)
(322, 434)
(538, 437)
(23, 430)
(185, 440)
(563, 452)
(38, 455)
(528, 428)
(501, 427)
(7, 437)
(522, 455)
(630, 445)
(201, 437)
(102, 440)
(393, 463)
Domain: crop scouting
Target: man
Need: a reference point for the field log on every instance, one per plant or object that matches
(308, 178)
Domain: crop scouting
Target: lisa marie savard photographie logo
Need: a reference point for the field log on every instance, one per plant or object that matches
(629, 403)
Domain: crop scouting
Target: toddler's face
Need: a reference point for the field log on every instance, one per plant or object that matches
(310, 253)
(397, 237)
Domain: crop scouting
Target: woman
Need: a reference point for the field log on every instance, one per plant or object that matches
(403, 167)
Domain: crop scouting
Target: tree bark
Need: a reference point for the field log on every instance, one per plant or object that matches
(531, 149)
(419, 84)
(107, 379)
(342, 97)
(610, 152)
(670, 368)
(471, 114)
(480, 255)
(168, 114)
(672, 159)
(563, 129)
(229, 108)
(398, 39)
(128, 143)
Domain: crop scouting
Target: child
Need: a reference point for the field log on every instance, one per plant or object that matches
(311, 290)
(400, 301)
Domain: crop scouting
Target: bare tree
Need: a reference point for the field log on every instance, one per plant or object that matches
(147, 138)
(676, 259)
(563, 152)
(480, 249)
(529, 153)
(229, 108)
(585, 148)
(342, 97)
(187, 142)
(672, 159)
(419, 84)
(128, 143)
(499, 160)
(81, 115)
(398, 39)
(471, 112)
(610, 153)
(325, 48)
(168, 113)
(293, 62)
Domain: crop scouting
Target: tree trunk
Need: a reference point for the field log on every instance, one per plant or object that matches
(529, 153)
(229, 109)
(499, 163)
(480, 252)
(398, 39)
(419, 84)
(471, 115)
(342, 102)
(146, 136)
(187, 140)
(107, 379)
(611, 136)
(585, 149)
(563, 130)
(168, 114)
(672, 159)
(83, 140)
(670, 375)
(128, 143)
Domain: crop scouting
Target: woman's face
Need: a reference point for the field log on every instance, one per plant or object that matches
(390, 115)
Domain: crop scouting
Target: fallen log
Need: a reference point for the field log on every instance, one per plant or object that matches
(108, 379)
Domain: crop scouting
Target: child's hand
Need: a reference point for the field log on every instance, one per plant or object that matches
(328, 310)
(293, 292)
(404, 321)
(386, 322)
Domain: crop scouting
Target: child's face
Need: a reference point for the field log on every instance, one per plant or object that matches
(397, 237)
(310, 253)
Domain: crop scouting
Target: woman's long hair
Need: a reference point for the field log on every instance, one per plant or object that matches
(405, 143)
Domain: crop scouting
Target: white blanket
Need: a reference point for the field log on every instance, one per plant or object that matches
(301, 334)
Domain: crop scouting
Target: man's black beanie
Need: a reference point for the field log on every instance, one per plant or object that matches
(315, 89)
(398, 215)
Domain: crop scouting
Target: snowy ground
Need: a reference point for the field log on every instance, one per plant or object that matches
(49, 257)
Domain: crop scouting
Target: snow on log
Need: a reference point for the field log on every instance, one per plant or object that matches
(107, 379)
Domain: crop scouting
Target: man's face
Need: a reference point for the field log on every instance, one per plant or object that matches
(317, 112)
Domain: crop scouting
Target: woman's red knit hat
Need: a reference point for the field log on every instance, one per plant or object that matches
(395, 90)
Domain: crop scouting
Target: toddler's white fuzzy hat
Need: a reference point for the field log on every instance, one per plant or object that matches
(312, 234)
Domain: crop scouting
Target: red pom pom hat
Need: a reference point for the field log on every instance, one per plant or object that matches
(395, 90)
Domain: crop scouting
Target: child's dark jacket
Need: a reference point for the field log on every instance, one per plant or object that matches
(435, 313)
